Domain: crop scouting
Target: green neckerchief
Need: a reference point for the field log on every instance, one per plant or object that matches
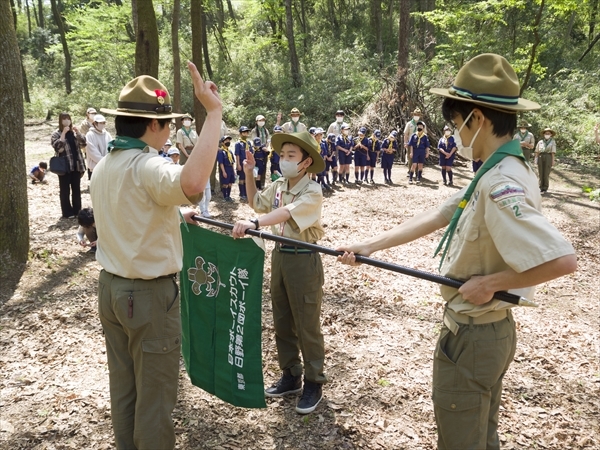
(523, 136)
(125, 143)
(187, 133)
(512, 148)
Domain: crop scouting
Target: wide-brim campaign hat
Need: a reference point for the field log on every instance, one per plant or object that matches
(488, 80)
(295, 111)
(187, 116)
(548, 130)
(306, 142)
(524, 124)
(144, 96)
(417, 112)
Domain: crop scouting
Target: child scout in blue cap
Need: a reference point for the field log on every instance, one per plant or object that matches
(241, 146)
(374, 149)
(389, 147)
(226, 162)
(331, 160)
(497, 240)
(292, 207)
(418, 151)
(361, 155)
(260, 156)
(447, 149)
(343, 145)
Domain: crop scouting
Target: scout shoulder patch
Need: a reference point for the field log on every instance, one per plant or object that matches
(507, 194)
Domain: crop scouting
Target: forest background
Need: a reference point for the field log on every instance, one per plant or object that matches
(375, 59)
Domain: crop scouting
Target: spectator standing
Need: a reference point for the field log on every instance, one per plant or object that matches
(67, 142)
(97, 142)
(186, 138)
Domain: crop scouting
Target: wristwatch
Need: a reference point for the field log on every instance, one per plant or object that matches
(256, 224)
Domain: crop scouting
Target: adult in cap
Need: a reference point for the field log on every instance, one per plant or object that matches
(186, 138)
(544, 157)
(336, 127)
(97, 139)
(292, 206)
(87, 123)
(409, 129)
(136, 197)
(241, 146)
(497, 239)
(294, 125)
(260, 130)
(525, 138)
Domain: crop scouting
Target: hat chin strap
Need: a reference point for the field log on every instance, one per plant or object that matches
(138, 106)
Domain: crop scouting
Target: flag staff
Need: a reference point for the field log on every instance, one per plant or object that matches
(501, 295)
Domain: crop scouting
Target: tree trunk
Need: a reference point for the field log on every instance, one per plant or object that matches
(376, 20)
(146, 40)
(14, 216)
(403, 40)
(429, 43)
(41, 13)
(536, 42)
(63, 39)
(205, 46)
(28, 17)
(230, 9)
(176, 60)
(196, 9)
(289, 32)
(593, 18)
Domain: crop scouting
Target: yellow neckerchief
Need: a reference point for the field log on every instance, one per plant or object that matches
(391, 146)
(374, 140)
(228, 153)
(419, 136)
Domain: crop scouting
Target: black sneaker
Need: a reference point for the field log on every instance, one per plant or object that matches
(311, 396)
(287, 385)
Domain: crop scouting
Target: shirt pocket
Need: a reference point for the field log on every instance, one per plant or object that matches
(467, 251)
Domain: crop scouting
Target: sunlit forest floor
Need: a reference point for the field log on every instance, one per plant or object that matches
(380, 331)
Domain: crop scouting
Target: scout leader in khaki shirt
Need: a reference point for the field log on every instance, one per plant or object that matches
(501, 227)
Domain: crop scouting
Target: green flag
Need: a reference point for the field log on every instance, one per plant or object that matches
(221, 292)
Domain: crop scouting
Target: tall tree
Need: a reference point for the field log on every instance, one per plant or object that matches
(376, 21)
(289, 32)
(23, 74)
(196, 8)
(403, 40)
(14, 216)
(176, 59)
(41, 14)
(146, 42)
(58, 19)
(534, 46)
(205, 45)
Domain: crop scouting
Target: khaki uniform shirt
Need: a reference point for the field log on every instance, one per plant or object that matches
(288, 127)
(336, 128)
(304, 201)
(135, 194)
(186, 141)
(543, 147)
(501, 227)
(527, 139)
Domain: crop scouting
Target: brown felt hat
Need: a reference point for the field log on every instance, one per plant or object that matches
(306, 142)
(295, 111)
(144, 96)
(524, 124)
(548, 130)
(417, 112)
(488, 80)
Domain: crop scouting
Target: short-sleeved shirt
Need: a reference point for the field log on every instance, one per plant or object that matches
(411, 128)
(375, 145)
(336, 128)
(136, 196)
(344, 142)
(225, 157)
(546, 146)
(290, 127)
(304, 201)
(501, 227)
(186, 137)
(389, 146)
(240, 151)
(526, 138)
(417, 143)
(446, 143)
(364, 141)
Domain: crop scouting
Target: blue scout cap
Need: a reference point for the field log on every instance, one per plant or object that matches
(362, 130)
(243, 129)
(312, 130)
(277, 129)
(257, 142)
(331, 137)
(377, 133)
(394, 133)
(345, 127)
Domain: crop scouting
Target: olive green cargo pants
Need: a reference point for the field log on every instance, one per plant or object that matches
(468, 369)
(296, 295)
(142, 328)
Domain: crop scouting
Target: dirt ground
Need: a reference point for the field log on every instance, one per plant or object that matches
(380, 331)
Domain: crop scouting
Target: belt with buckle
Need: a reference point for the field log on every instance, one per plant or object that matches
(453, 319)
(292, 249)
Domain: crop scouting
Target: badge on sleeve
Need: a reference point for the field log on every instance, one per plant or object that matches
(508, 194)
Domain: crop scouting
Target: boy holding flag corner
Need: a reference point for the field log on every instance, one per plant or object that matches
(292, 207)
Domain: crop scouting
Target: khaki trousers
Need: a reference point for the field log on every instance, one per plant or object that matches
(468, 369)
(544, 168)
(142, 328)
(296, 294)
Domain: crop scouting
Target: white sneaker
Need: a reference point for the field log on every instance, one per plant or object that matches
(206, 214)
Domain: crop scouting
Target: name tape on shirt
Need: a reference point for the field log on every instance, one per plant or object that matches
(507, 195)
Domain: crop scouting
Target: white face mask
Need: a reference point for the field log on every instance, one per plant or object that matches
(339, 119)
(100, 126)
(465, 152)
(187, 123)
(289, 169)
(260, 123)
(416, 118)
(66, 122)
(523, 130)
(295, 119)
(547, 136)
